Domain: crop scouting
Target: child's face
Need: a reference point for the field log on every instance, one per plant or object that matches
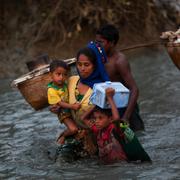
(101, 120)
(84, 66)
(59, 76)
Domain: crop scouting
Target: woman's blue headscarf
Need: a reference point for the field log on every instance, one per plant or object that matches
(99, 74)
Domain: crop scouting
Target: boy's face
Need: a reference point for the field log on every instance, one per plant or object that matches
(59, 76)
(104, 42)
(101, 120)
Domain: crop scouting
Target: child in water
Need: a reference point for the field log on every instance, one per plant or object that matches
(58, 98)
(101, 123)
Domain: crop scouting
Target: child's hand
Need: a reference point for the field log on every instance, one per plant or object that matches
(60, 139)
(54, 108)
(110, 92)
(76, 106)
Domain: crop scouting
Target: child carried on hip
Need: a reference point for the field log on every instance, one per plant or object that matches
(58, 98)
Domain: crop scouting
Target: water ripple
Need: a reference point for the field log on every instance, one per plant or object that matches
(26, 135)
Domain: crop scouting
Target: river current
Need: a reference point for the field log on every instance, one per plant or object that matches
(26, 135)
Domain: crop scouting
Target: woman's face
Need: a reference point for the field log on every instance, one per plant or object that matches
(84, 66)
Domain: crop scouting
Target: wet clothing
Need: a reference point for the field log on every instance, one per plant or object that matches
(135, 121)
(130, 143)
(118, 142)
(110, 150)
(73, 98)
(56, 94)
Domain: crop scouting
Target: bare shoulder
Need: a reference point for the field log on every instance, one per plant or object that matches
(124, 70)
(121, 61)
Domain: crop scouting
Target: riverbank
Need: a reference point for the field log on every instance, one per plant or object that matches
(30, 28)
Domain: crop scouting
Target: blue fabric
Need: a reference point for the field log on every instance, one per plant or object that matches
(99, 74)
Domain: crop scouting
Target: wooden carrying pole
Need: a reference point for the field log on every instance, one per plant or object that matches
(154, 43)
(157, 43)
(172, 49)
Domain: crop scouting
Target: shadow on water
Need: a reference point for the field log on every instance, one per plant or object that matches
(26, 136)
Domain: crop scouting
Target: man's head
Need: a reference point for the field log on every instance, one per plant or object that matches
(109, 33)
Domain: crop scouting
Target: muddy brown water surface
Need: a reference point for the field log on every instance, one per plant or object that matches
(27, 135)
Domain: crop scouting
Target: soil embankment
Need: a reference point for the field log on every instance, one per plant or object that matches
(59, 28)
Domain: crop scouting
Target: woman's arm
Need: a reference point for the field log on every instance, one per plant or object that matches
(87, 114)
(86, 117)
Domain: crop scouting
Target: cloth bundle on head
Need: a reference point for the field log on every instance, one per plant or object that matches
(99, 74)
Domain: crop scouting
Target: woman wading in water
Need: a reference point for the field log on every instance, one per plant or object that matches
(90, 68)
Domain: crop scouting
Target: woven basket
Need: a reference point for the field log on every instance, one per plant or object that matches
(33, 85)
(35, 91)
(174, 52)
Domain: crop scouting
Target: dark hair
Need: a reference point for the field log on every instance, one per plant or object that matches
(58, 63)
(89, 53)
(109, 32)
(107, 112)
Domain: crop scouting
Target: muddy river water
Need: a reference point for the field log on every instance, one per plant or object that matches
(26, 135)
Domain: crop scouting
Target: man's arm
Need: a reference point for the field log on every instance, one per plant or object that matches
(124, 70)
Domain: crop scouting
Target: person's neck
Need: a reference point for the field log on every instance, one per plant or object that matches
(111, 52)
(59, 86)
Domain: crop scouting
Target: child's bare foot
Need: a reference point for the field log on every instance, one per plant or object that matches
(60, 139)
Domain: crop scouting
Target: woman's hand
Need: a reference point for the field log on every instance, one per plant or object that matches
(89, 123)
